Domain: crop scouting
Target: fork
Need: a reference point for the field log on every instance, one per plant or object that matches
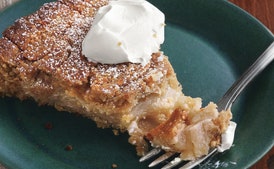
(224, 103)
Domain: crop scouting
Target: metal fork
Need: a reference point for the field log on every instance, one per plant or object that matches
(224, 103)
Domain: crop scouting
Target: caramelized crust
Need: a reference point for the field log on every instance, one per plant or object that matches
(41, 59)
(48, 62)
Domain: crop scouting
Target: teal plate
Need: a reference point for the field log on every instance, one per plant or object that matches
(209, 43)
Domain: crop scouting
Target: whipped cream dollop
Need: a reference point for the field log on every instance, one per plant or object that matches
(125, 31)
(228, 137)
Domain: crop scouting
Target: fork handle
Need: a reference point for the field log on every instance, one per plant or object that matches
(230, 96)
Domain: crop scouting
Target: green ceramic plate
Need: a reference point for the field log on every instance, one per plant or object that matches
(210, 43)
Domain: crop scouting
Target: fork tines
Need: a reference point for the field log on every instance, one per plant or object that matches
(175, 161)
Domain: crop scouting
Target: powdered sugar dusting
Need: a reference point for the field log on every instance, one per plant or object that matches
(50, 41)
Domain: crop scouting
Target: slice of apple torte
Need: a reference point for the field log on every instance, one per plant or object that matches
(102, 59)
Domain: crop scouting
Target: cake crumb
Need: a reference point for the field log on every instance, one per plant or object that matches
(114, 166)
(68, 147)
(115, 132)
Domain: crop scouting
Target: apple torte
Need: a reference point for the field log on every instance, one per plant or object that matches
(41, 59)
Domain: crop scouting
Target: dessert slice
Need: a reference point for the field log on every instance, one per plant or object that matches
(41, 58)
